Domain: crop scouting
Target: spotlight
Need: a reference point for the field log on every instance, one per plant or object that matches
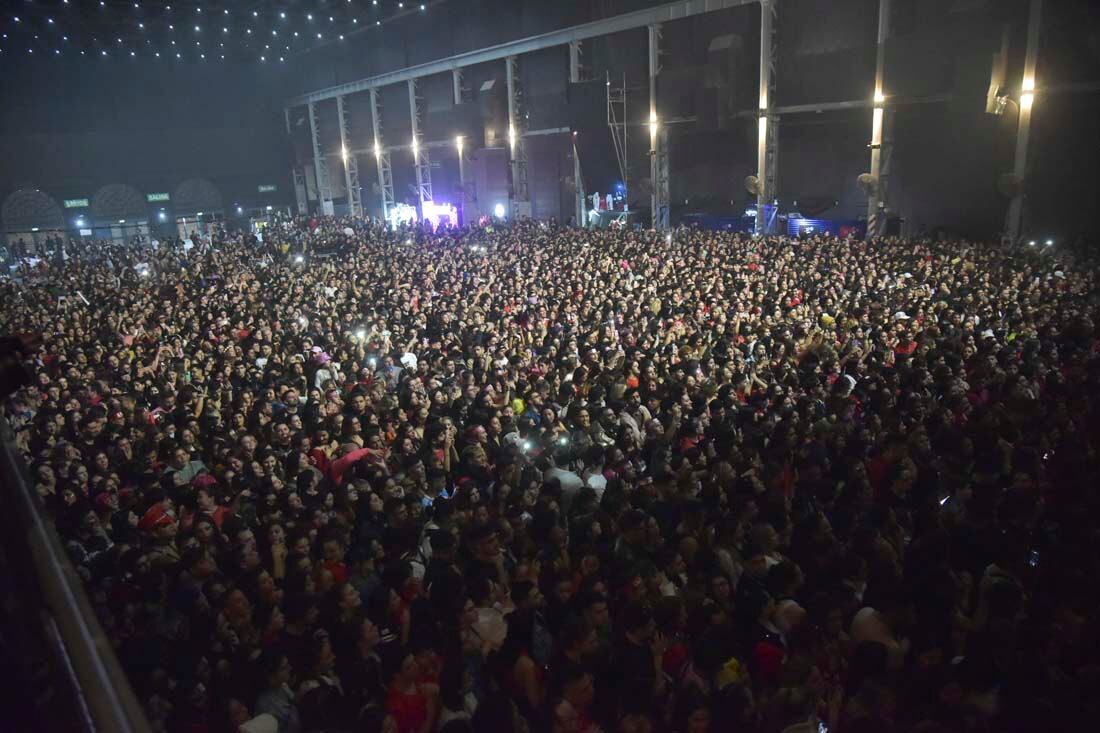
(1050, 242)
(240, 210)
(361, 334)
(498, 211)
(563, 441)
(1032, 243)
(668, 239)
(162, 216)
(299, 259)
(269, 208)
(526, 445)
(373, 362)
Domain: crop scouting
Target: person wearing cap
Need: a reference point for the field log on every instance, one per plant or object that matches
(159, 523)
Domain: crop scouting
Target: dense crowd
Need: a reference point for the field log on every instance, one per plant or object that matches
(533, 478)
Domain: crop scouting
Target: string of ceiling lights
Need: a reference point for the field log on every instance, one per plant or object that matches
(260, 31)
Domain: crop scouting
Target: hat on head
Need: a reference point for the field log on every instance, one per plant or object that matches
(155, 517)
(901, 316)
(203, 481)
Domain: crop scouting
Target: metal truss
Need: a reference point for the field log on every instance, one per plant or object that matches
(517, 143)
(351, 161)
(768, 122)
(421, 157)
(381, 157)
(320, 164)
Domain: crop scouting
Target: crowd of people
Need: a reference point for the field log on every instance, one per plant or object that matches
(526, 477)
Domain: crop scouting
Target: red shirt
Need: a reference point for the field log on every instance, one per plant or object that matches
(409, 711)
(339, 571)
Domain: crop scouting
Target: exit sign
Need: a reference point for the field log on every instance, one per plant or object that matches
(76, 203)
(156, 197)
(267, 188)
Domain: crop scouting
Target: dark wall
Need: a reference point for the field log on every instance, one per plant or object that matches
(70, 129)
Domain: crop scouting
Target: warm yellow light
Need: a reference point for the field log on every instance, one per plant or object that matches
(458, 143)
(377, 150)
(653, 129)
(511, 136)
(1026, 100)
(879, 97)
(1029, 84)
(763, 127)
(343, 153)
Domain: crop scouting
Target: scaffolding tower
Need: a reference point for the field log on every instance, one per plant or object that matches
(381, 157)
(351, 161)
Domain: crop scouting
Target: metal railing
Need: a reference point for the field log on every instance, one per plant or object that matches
(87, 687)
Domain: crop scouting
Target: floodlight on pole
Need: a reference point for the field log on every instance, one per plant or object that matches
(1027, 99)
(653, 124)
(415, 148)
(377, 150)
(879, 96)
(344, 153)
(458, 143)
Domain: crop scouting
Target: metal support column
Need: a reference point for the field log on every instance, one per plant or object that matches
(767, 150)
(578, 187)
(320, 165)
(517, 144)
(574, 62)
(658, 139)
(876, 199)
(381, 157)
(460, 146)
(616, 123)
(351, 162)
(456, 83)
(421, 158)
(1014, 219)
(662, 183)
(300, 195)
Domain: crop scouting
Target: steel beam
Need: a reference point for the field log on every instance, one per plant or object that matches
(460, 148)
(767, 122)
(381, 157)
(320, 165)
(1014, 218)
(421, 158)
(301, 193)
(574, 62)
(351, 161)
(517, 143)
(876, 200)
(456, 84)
(301, 196)
(607, 26)
(850, 104)
(578, 187)
(658, 139)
